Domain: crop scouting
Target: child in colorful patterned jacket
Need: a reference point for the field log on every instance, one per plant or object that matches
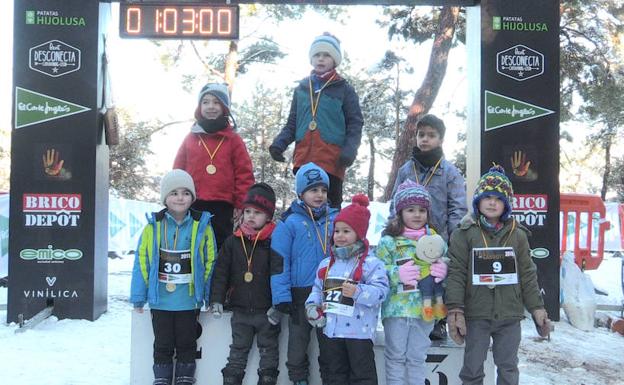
(408, 314)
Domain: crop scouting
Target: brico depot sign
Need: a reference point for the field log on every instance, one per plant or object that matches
(52, 210)
(530, 209)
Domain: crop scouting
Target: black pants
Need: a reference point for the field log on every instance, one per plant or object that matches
(175, 331)
(299, 334)
(244, 327)
(349, 361)
(222, 218)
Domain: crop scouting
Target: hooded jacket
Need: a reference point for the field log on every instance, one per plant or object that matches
(482, 302)
(144, 284)
(298, 252)
(339, 131)
(228, 284)
(234, 173)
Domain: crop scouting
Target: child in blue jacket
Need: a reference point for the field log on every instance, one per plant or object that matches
(172, 271)
(300, 242)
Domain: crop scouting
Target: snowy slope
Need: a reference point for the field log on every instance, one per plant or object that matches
(76, 352)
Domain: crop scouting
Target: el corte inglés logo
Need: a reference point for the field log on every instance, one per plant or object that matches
(501, 111)
(33, 107)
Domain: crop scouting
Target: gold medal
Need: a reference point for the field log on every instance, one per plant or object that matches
(170, 287)
(312, 125)
(248, 276)
(211, 169)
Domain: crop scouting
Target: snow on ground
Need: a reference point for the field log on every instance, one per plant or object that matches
(79, 352)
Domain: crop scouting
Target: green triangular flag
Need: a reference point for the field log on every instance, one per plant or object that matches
(33, 107)
(501, 111)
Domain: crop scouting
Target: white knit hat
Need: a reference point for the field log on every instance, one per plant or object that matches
(327, 43)
(175, 179)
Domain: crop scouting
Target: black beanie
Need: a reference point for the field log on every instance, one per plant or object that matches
(262, 197)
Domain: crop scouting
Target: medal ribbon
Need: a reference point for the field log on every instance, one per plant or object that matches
(211, 154)
(314, 104)
(175, 236)
(430, 175)
(318, 233)
(249, 257)
(331, 262)
(513, 226)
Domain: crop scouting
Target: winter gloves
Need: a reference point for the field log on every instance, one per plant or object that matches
(345, 160)
(216, 309)
(315, 315)
(277, 154)
(274, 316)
(542, 323)
(456, 325)
(439, 270)
(409, 274)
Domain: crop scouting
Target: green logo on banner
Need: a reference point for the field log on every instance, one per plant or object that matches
(32, 107)
(501, 111)
(30, 17)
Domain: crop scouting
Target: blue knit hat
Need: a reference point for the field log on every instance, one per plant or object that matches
(327, 43)
(219, 91)
(410, 193)
(494, 183)
(308, 176)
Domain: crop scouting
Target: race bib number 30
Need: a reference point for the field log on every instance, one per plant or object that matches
(174, 266)
(494, 266)
(333, 300)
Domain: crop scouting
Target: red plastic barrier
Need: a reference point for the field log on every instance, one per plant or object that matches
(589, 204)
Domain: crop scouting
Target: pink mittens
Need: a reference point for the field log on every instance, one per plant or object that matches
(409, 274)
(439, 270)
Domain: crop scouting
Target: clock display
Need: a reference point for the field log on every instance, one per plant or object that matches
(178, 21)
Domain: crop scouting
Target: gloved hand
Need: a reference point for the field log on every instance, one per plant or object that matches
(274, 316)
(216, 309)
(439, 269)
(277, 154)
(542, 323)
(345, 160)
(315, 315)
(456, 325)
(409, 274)
(284, 307)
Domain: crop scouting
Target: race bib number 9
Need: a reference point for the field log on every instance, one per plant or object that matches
(174, 266)
(494, 266)
(333, 300)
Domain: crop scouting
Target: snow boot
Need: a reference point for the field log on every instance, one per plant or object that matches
(163, 374)
(267, 376)
(185, 373)
(439, 332)
(232, 377)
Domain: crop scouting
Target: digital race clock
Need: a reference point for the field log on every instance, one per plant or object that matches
(178, 21)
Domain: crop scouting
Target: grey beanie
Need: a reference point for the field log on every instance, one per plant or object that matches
(176, 179)
(219, 91)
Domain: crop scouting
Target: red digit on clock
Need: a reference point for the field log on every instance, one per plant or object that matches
(188, 23)
(205, 15)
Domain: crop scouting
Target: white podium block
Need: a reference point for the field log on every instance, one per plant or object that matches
(443, 362)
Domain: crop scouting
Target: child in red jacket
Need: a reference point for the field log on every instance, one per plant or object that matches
(217, 159)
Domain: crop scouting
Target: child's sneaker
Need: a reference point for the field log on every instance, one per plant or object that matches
(427, 314)
(439, 310)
